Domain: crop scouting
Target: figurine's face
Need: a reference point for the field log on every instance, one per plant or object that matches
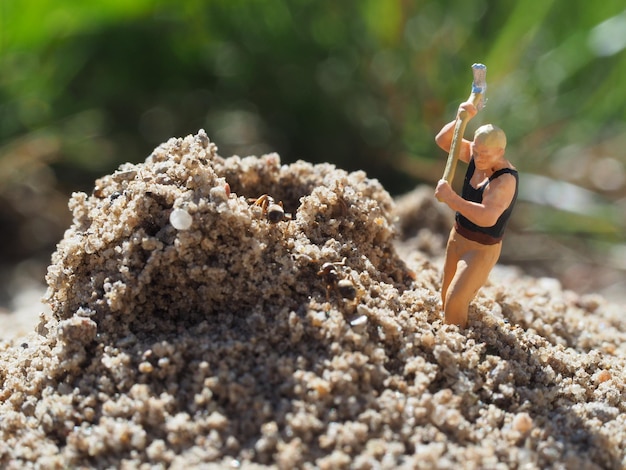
(486, 156)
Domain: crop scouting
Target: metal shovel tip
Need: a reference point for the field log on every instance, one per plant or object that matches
(480, 78)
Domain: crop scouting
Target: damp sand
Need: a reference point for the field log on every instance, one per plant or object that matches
(192, 325)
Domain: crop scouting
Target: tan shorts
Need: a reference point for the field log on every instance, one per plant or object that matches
(466, 269)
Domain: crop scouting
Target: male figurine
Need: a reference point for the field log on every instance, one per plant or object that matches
(482, 212)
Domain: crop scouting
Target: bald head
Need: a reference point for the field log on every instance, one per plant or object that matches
(490, 136)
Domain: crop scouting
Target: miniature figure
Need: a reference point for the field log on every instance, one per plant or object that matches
(482, 212)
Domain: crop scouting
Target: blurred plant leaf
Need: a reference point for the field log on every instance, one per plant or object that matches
(362, 84)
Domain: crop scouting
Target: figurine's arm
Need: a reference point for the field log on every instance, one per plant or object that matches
(444, 137)
(496, 198)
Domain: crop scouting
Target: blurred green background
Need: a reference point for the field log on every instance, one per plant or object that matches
(87, 85)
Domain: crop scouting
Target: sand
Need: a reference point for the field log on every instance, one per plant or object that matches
(192, 327)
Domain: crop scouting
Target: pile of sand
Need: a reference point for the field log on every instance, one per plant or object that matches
(191, 325)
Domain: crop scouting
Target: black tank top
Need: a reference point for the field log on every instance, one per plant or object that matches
(476, 195)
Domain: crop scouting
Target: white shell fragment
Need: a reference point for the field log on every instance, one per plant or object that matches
(360, 320)
(181, 219)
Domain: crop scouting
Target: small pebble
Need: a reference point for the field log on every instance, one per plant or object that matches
(181, 219)
(604, 376)
(522, 423)
(360, 320)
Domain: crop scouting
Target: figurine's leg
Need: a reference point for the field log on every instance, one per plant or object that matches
(449, 266)
(472, 272)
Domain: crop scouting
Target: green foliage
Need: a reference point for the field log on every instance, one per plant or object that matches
(362, 83)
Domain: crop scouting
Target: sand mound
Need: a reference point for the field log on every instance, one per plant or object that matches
(192, 326)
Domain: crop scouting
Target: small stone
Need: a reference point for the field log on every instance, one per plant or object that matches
(360, 320)
(604, 376)
(181, 219)
(522, 423)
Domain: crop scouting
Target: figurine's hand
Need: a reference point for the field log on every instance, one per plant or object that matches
(444, 192)
(468, 108)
